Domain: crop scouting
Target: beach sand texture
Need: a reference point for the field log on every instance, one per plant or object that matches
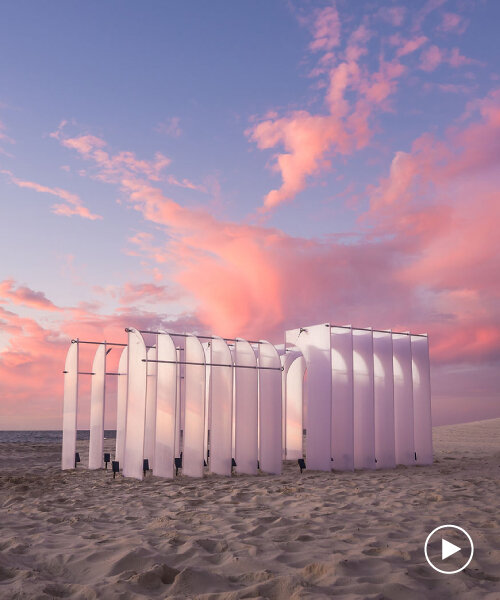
(316, 535)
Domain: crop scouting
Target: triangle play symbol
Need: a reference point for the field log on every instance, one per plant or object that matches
(448, 549)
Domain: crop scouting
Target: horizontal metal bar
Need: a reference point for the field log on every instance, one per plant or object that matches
(90, 373)
(106, 343)
(376, 330)
(203, 337)
(183, 362)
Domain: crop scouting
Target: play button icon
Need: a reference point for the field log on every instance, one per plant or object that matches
(450, 554)
(448, 549)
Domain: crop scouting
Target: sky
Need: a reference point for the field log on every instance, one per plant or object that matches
(243, 168)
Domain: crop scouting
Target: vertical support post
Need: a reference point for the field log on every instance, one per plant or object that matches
(121, 406)
(422, 399)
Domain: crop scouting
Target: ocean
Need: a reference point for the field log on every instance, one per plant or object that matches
(41, 437)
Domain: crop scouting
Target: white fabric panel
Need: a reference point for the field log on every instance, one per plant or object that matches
(121, 406)
(166, 393)
(194, 428)
(342, 400)
(314, 342)
(180, 392)
(208, 399)
(270, 408)
(385, 451)
(136, 405)
(150, 427)
(403, 400)
(364, 417)
(221, 408)
(97, 395)
(246, 412)
(70, 407)
(422, 399)
(283, 359)
(294, 403)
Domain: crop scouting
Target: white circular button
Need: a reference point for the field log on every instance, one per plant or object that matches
(457, 543)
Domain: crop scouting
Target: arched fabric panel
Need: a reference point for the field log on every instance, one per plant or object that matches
(422, 399)
(221, 407)
(194, 428)
(293, 405)
(97, 398)
(342, 444)
(270, 408)
(246, 411)
(364, 417)
(385, 450)
(136, 405)
(314, 342)
(121, 406)
(70, 407)
(166, 395)
(403, 400)
(150, 427)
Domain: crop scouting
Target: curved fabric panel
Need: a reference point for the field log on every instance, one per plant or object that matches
(269, 408)
(166, 396)
(294, 394)
(150, 426)
(403, 400)
(221, 407)
(97, 399)
(342, 444)
(246, 408)
(364, 417)
(70, 407)
(121, 406)
(385, 450)
(314, 342)
(194, 428)
(422, 399)
(136, 405)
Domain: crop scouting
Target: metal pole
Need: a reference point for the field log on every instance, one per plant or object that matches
(181, 362)
(107, 343)
(377, 330)
(203, 337)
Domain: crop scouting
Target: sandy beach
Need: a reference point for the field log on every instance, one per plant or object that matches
(83, 535)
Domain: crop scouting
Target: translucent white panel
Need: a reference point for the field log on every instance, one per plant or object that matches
(403, 400)
(70, 408)
(136, 405)
(342, 400)
(270, 408)
(208, 399)
(294, 401)
(180, 392)
(121, 406)
(166, 395)
(221, 394)
(314, 342)
(194, 428)
(150, 426)
(97, 394)
(385, 451)
(422, 399)
(245, 408)
(364, 417)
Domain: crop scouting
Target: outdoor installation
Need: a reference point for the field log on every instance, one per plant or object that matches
(206, 403)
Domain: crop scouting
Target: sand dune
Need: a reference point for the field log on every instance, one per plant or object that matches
(83, 535)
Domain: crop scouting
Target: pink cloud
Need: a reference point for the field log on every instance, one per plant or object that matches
(74, 205)
(393, 14)
(326, 30)
(453, 23)
(170, 127)
(431, 58)
(409, 46)
(17, 294)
